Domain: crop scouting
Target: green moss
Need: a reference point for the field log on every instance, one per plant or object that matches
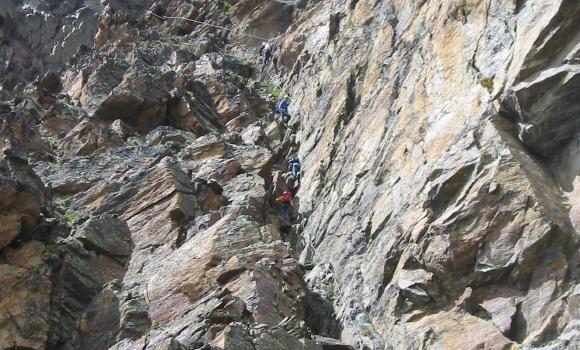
(269, 87)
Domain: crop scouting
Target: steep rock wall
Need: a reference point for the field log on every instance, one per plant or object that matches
(438, 205)
(441, 187)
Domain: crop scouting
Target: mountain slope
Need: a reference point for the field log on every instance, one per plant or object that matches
(437, 207)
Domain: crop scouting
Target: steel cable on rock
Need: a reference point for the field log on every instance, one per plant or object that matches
(207, 24)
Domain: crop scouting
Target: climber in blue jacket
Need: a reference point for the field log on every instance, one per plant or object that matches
(294, 167)
(282, 109)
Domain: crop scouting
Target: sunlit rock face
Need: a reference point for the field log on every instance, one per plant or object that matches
(438, 205)
(441, 143)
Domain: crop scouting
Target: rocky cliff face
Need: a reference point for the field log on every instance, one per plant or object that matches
(438, 206)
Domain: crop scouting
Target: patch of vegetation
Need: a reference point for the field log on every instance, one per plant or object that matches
(354, 70)
(252, 84)
(229, 8)
(309, 265)
(70, 217)
(567, 204)
(349, 24)
(52, 165)
(322, 176)
(271, 88)
(328, 289)
(250, 63)
(52, 141)
(244, 61)
(62, 204)
(367, 331)
(50, 249)
(63, 211)
(487, 83)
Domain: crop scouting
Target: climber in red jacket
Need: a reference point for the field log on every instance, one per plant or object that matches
(285, 201)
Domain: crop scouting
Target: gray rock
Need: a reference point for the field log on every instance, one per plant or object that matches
(105, 235)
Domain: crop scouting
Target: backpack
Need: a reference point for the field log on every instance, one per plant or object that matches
(286, 197)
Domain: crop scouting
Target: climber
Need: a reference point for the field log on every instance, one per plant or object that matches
(282, 109)
(265, 53)
(294, 167)
(285, 201)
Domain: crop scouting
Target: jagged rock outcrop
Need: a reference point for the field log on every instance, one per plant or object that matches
(437, 208)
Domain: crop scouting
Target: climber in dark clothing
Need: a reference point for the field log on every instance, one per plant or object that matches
(294, 167)
(285, 201)
(265, 53)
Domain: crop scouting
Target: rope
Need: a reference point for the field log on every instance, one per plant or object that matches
(164, 18)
